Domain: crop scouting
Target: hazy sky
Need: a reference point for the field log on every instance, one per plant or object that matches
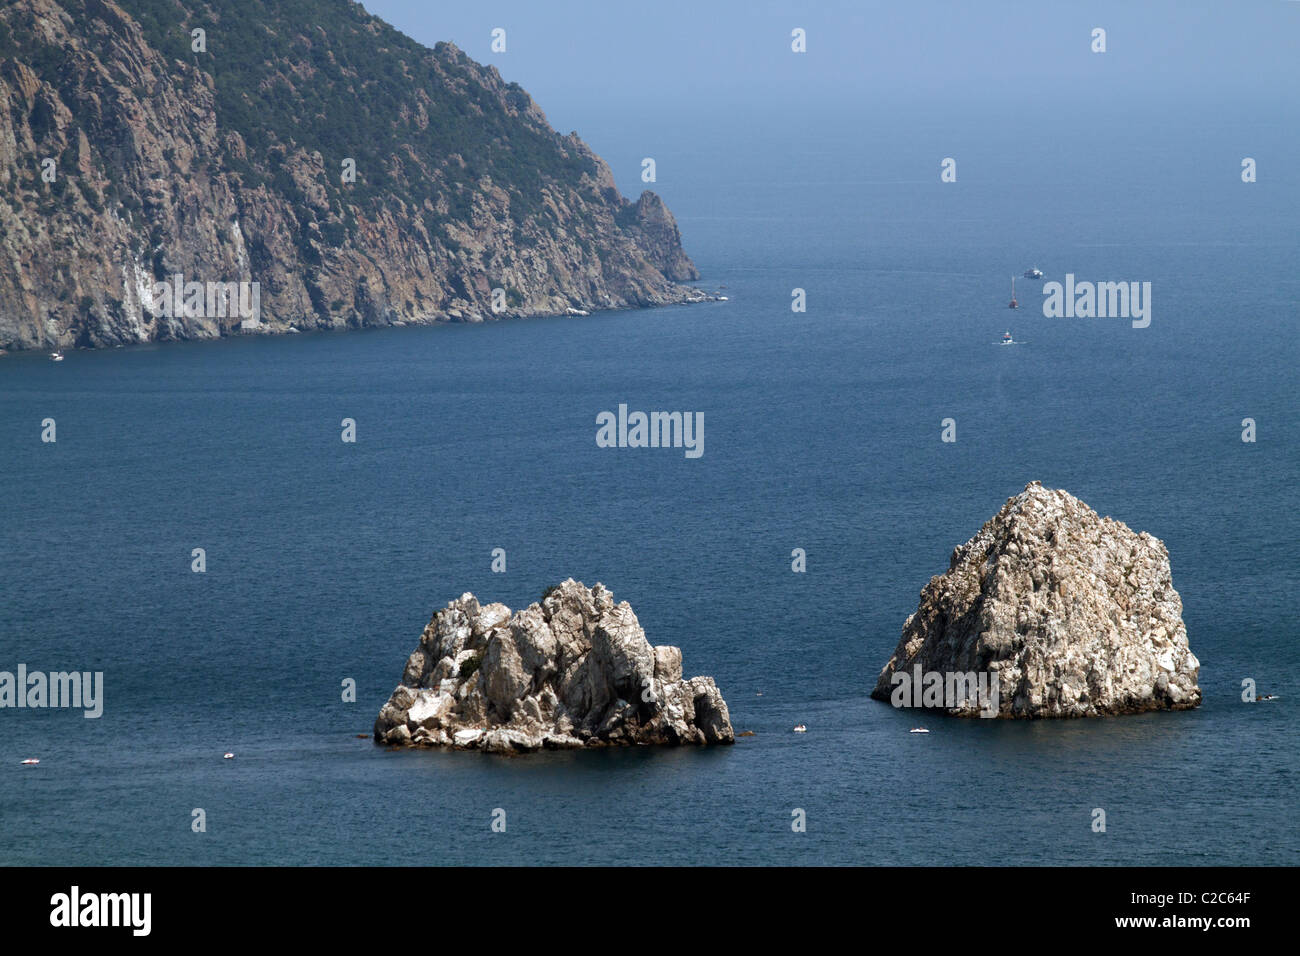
(1031, 57)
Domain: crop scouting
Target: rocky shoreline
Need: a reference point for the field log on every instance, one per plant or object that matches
(292, 328)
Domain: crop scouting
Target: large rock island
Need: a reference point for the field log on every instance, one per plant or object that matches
(574, 670)
(1075, 614)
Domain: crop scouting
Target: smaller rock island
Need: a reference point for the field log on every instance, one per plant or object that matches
(1075, 615)
(574, 670)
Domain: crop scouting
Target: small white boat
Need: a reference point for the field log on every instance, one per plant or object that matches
(801, 728)
(918, 730)
(31, 761)
(56, 356)
(1033, 273)
(1007, 339)
(229, 757)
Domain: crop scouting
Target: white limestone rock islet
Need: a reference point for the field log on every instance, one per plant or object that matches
(1076, 614)
(574, 670)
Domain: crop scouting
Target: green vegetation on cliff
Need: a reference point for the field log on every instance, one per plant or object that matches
(326, 76)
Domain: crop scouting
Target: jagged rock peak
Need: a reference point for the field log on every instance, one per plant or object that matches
(573, 670)
(1066, 613)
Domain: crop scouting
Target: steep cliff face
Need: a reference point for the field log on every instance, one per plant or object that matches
(1075, 614)
(355, 176)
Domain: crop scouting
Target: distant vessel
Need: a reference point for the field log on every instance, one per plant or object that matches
(1013, 304)
(918, 730)
(1033, 273)
(229, 756)
(56, 356)
(801, 728)
(1007, 339)
(31, 760)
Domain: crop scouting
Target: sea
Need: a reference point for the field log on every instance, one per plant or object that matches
(324, 559)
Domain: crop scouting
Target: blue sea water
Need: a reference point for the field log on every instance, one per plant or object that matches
(325, 559)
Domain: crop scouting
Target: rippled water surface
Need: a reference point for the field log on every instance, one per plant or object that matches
(324, 560)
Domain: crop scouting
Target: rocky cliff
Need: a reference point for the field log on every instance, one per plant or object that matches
(357, 177)
(574, 670)
(1076, 615)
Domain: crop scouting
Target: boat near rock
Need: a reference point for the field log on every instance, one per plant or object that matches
(1066, 613)
(573, 670)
